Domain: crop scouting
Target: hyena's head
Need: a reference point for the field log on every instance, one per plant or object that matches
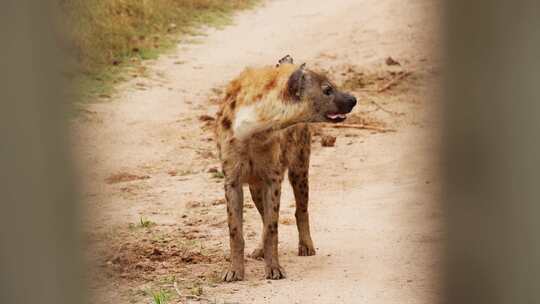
(325, 102)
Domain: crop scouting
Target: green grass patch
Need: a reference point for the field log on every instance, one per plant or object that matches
(144, 223)
(160, 297)
(106, 37)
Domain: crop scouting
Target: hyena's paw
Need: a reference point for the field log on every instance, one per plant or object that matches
(274, 273)
(232, 275)
(306, 250)
(257, 254)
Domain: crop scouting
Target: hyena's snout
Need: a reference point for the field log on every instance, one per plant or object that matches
(343, 104)
(346, 103)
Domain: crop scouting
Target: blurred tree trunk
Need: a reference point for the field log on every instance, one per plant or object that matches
(492, 153)
(39, 235)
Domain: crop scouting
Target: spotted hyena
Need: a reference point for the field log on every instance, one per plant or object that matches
(261, 133)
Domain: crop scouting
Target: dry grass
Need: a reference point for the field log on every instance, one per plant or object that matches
(104, 35)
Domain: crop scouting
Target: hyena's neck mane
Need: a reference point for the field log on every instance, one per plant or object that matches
(259, 100)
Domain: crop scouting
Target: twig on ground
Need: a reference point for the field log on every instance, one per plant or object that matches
(359, 126)
(367, 90)
(394, 81)
(388, 85)
(380, 107)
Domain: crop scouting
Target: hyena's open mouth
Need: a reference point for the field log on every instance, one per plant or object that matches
(336, 117)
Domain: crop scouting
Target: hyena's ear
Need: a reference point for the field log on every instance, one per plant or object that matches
(297, 83)
(287, 59)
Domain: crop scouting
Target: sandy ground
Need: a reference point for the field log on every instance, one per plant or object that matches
(156, 214)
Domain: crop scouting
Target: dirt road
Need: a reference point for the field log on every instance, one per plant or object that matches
(155, 211)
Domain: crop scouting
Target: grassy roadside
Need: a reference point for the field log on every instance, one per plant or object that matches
(109, 37)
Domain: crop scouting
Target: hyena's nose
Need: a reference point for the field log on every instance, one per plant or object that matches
(349, 103)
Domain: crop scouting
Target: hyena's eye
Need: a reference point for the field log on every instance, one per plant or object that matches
(327, 90)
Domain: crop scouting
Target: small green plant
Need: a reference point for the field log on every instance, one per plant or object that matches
(218, 174)
(145, 223)
(160, 297)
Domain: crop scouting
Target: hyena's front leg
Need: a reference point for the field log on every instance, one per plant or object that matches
(235, 204)
(271, 202)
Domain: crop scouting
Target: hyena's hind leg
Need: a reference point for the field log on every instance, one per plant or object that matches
(257, 196)
(298, 177)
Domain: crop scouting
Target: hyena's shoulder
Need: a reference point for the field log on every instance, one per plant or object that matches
(254, 83)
